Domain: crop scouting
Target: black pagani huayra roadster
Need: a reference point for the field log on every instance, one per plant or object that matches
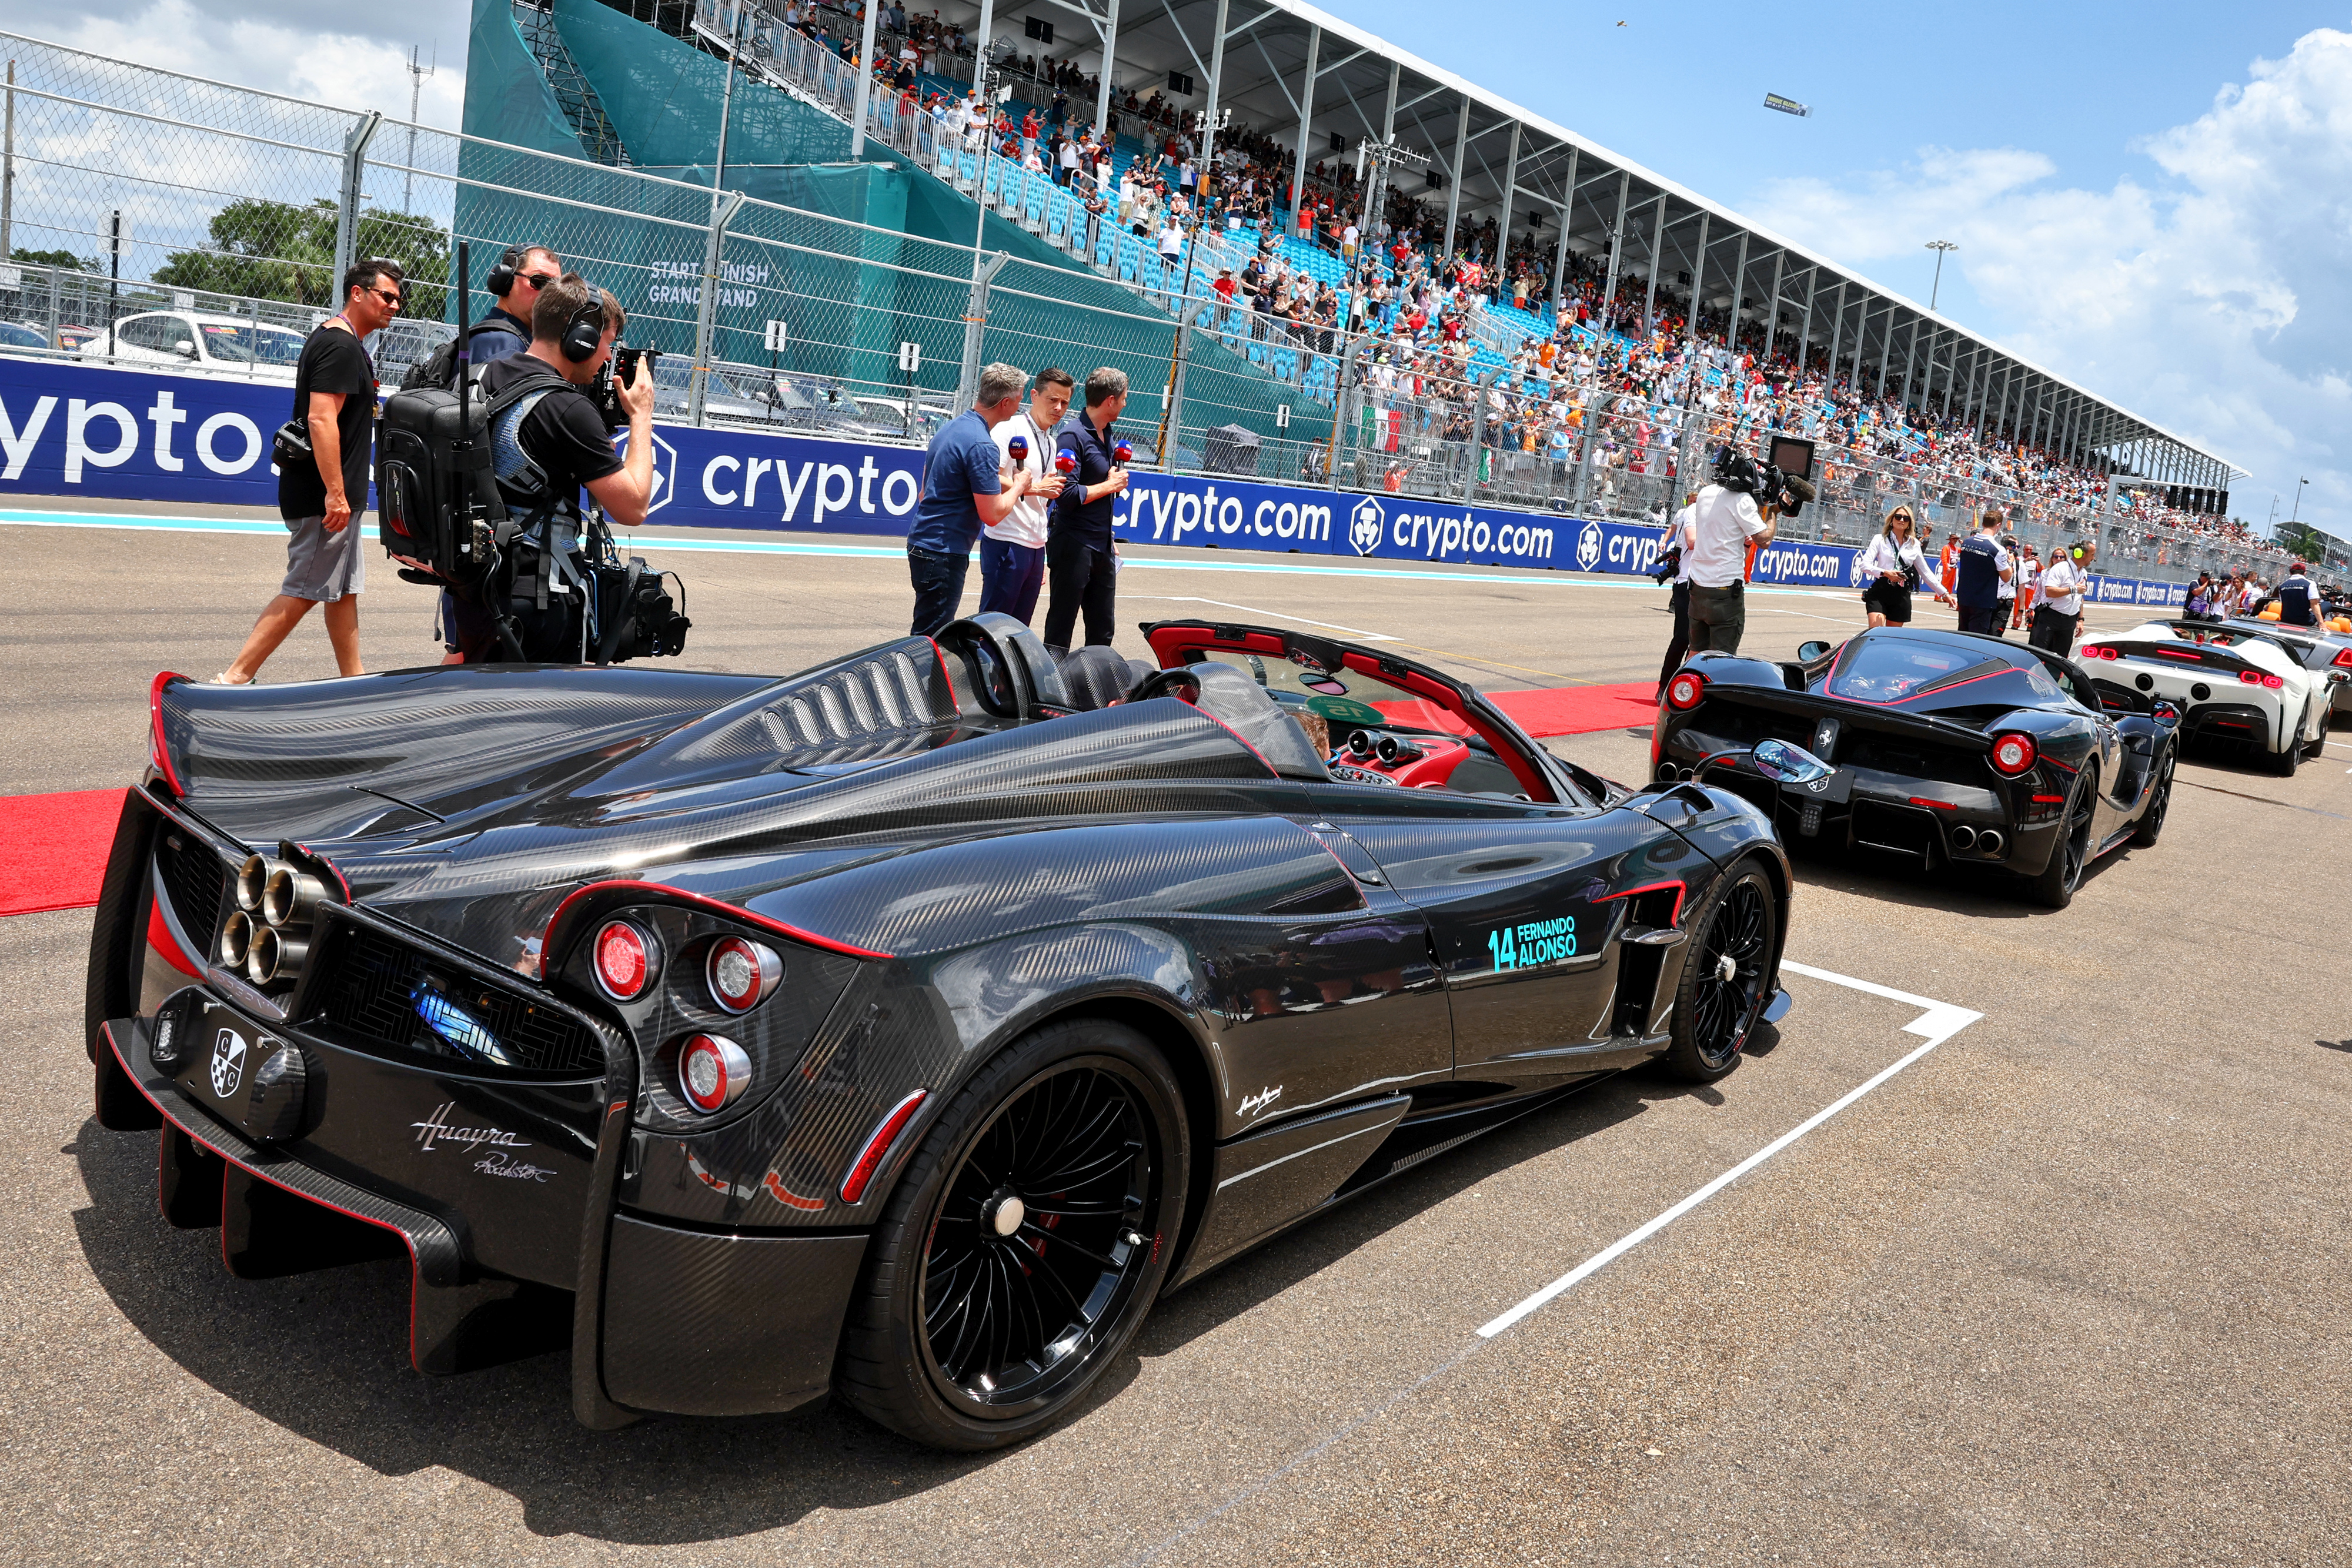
(1947, 749)
(903, 1027)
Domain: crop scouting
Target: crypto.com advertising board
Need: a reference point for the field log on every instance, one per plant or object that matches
(70, 430)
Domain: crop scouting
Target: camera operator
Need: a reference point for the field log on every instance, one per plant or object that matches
(1717, 526)
(1674, 561)
(562, 432)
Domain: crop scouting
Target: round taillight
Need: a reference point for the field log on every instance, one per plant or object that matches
(624, 959)
(1686, 690)
(2012, 753)
(742, 974)
(712, 1071)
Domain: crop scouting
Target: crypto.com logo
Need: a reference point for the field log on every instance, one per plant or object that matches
(1365, 526)
(664, 470)
(1588, 547)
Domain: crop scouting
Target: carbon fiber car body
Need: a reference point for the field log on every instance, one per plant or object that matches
(943, 855)
(1908, 717)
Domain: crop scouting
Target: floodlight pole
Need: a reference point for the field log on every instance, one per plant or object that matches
(1940, 246)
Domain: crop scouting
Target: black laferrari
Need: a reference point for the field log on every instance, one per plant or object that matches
(1945, 748)
(903, 1027)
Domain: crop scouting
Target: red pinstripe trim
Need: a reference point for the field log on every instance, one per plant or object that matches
(1682, 890)
(697, 900)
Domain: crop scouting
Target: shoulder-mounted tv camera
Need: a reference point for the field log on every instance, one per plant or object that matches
(1784, 481)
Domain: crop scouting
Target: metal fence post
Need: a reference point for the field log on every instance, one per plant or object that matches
(724, 204)
(1176, 396)
(347, 219)
(974, 321)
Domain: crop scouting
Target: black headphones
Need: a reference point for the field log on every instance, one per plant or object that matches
(585, 329)
(501, 278)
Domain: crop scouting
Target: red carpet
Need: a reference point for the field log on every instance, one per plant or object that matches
(53, 849)
(1550, 710)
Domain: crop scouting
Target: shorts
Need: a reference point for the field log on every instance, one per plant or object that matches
(322, 566)
(1883, 598)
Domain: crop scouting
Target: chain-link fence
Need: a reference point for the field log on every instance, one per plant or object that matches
(168, 222)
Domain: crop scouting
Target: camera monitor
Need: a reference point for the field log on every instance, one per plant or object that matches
(1793, 456)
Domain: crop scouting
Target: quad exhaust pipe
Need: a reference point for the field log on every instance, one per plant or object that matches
(269, 934)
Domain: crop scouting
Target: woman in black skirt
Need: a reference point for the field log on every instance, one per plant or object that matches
(1892, 566)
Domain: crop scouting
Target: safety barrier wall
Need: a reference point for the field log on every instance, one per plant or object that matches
(85, 432)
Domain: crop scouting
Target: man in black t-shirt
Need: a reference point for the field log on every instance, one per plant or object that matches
(563, 435)
(334, 396)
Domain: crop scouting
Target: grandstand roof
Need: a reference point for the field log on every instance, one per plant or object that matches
(1362, 82)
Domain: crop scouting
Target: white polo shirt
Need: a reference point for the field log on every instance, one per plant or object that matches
(1025, 524)
(1721, 523)
(2062, 586)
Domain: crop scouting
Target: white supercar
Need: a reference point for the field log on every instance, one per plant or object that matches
(2231, 683)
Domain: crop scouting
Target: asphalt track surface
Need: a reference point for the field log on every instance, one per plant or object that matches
(2068, 1287)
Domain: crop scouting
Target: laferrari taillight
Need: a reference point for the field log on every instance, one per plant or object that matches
(1685, 691)
(712, 1072)
(2012, 753)
(742, 974)
(624, 959)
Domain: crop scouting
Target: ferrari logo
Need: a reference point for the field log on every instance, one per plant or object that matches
(229, 1063)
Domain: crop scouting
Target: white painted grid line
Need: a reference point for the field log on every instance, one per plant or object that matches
(1939, 1022)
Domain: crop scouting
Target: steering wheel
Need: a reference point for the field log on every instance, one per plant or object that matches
(1182, 684)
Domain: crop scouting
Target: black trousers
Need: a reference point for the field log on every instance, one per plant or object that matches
(938, 588)
(1080, 576)
(1987, 620)
(1681, 643)
(2054, 630)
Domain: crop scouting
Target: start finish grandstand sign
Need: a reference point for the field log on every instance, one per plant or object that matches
(71, 430)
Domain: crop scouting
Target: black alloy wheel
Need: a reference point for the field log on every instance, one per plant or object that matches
(2160, 801)
(2054, 888)
(1726, 979)
(2318, 747)
(1024, 1243)
(2285, 763)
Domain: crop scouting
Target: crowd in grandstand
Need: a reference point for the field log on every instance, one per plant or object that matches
(1604, 384)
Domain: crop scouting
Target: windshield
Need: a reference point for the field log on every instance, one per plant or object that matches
(256, 345)
(1894, 670)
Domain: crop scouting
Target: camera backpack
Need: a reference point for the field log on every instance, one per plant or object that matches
(436, 497)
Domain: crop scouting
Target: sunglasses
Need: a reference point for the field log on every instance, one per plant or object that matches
(537, 279)
(389, 295)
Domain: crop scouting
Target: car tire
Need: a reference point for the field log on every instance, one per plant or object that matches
(951, 1338)
(2159, 803)
(1727, 978)
(2284, 762)
(2318, 747)
(2070, 855)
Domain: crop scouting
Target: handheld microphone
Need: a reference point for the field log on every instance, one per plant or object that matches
(1122, 453)
(1066, 461)
(1017, 449)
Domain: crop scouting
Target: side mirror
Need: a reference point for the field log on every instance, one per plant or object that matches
(1808, 652)
(2167, 714)
(1786, 764)
(185, 348)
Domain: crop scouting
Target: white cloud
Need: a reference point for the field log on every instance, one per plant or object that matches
(2209, 297)
(357, 70)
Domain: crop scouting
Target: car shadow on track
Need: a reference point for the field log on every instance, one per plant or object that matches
(1963, 889)
(324, 1355)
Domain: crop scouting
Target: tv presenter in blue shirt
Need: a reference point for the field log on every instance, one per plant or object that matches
(965, 490)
